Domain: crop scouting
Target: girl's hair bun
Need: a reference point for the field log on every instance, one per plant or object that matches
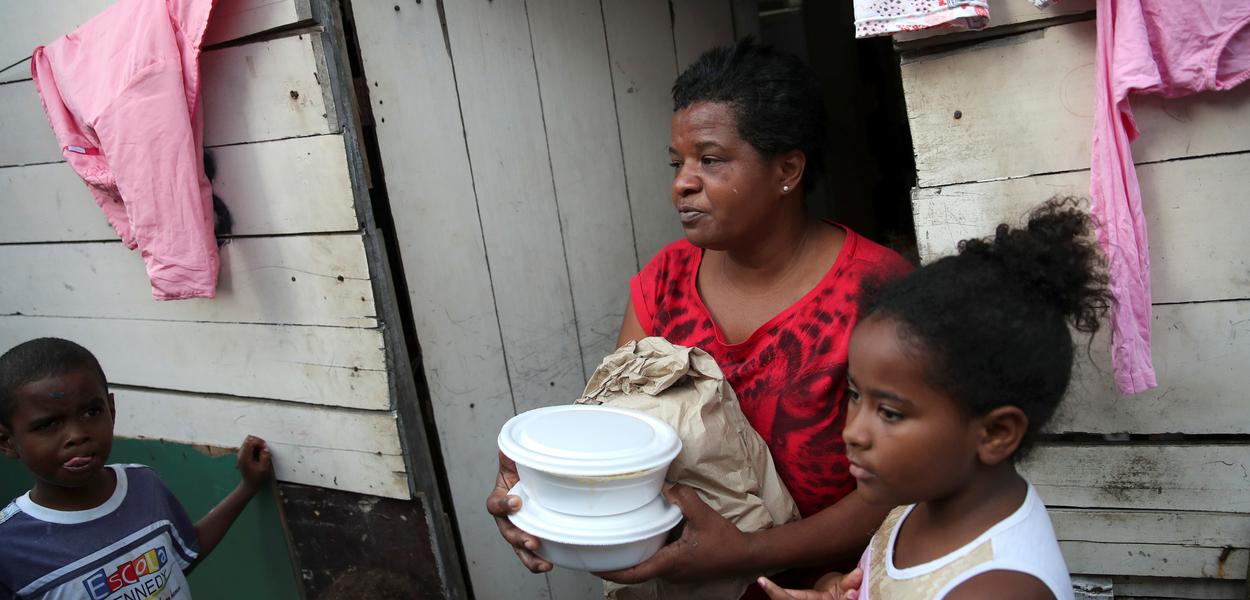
(1053, 256)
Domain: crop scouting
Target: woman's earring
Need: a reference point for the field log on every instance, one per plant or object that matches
(785, 189)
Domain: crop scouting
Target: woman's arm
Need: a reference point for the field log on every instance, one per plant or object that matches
(710, 546)
(631, 328)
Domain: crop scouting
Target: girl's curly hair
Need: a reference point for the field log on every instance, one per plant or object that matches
(993, 321)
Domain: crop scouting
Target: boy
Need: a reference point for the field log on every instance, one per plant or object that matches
(88, 530)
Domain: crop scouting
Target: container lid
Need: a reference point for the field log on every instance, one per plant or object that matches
(589, 441)
(653, 518)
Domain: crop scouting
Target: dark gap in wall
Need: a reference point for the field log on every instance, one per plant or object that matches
(384, 219)
(871, 166)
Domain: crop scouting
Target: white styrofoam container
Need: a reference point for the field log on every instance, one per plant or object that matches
(590, 460)
(600, 543)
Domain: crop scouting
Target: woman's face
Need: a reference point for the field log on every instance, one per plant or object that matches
(907, 441)
(723, 189)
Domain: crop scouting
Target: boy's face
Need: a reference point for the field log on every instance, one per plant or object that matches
(61, 428)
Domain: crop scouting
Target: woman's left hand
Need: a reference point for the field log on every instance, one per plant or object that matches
(833, 586)
(709, 546)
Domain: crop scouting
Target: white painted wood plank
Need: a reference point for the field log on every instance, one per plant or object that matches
(288, 186)
(1154, 560)
(1195, 214)
(1004, 13)
(24, 127)
(350, 450)
(1195, 589)
(1197, 477)
(644, 65)
(699, 25)
(492, 49)
(1180, 528)
(1200, 353)
(1048, 76)
(493, 56)
(413, 91)
(28, 24)
(289, 280)
(263, 91)
(233, 19)
(573, 74)
(331, 366)
(579, 114)
(1155, 543)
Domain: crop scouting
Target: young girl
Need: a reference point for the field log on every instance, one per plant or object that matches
(953, 370)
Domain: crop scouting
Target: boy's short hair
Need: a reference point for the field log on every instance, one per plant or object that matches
(39, 359)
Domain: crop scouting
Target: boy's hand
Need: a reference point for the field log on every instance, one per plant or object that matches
(254, 462)
(834, 586)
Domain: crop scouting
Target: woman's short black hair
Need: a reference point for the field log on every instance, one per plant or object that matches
(37, 359)
(993, 321)
(775, 99)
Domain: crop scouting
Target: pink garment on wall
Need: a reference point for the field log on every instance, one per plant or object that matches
(1168, 48)
(122, 95)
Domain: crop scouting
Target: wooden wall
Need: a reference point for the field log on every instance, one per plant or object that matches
(292, 347)
(523, 149)
(1160, 515)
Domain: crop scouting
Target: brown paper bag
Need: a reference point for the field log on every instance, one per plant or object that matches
(722, 456)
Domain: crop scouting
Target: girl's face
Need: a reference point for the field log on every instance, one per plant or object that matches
(907, 441)
(723, 188)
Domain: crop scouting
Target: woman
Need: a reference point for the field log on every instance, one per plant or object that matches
(770, 293)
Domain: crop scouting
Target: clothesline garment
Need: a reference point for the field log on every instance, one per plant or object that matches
(122, 95)
(885, 17)
(1168, 49)
(1165, 48)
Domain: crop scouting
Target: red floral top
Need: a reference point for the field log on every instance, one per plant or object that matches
(790, 374)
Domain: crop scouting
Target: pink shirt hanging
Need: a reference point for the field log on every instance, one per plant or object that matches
(1167, 48)
(122, 95)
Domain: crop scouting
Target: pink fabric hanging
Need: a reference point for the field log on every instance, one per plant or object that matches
(1171, 49)
(122, 94)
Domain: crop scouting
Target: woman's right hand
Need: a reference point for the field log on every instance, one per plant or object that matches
(500, 505)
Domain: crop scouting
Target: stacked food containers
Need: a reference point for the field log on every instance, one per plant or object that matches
(590, 483)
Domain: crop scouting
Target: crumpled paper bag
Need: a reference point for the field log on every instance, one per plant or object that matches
(722, 456)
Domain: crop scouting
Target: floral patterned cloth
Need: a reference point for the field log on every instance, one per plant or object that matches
(885, 17)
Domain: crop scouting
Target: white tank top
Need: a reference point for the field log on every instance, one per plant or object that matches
(1023, 542)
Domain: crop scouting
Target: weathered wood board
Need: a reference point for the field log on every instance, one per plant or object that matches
(233, 19)
(351, 450)
(644, 65)
(1047, 75)
(265, 91)
(571, 57)
(1195, 217)
(1195, 477)
(1153, 543)
(305, 280)
(332, 366)
(24, 127)
(1154, 588)
(281, 187)
(430, 185)
(1200, 355)
(261, 91)
(43, 21)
